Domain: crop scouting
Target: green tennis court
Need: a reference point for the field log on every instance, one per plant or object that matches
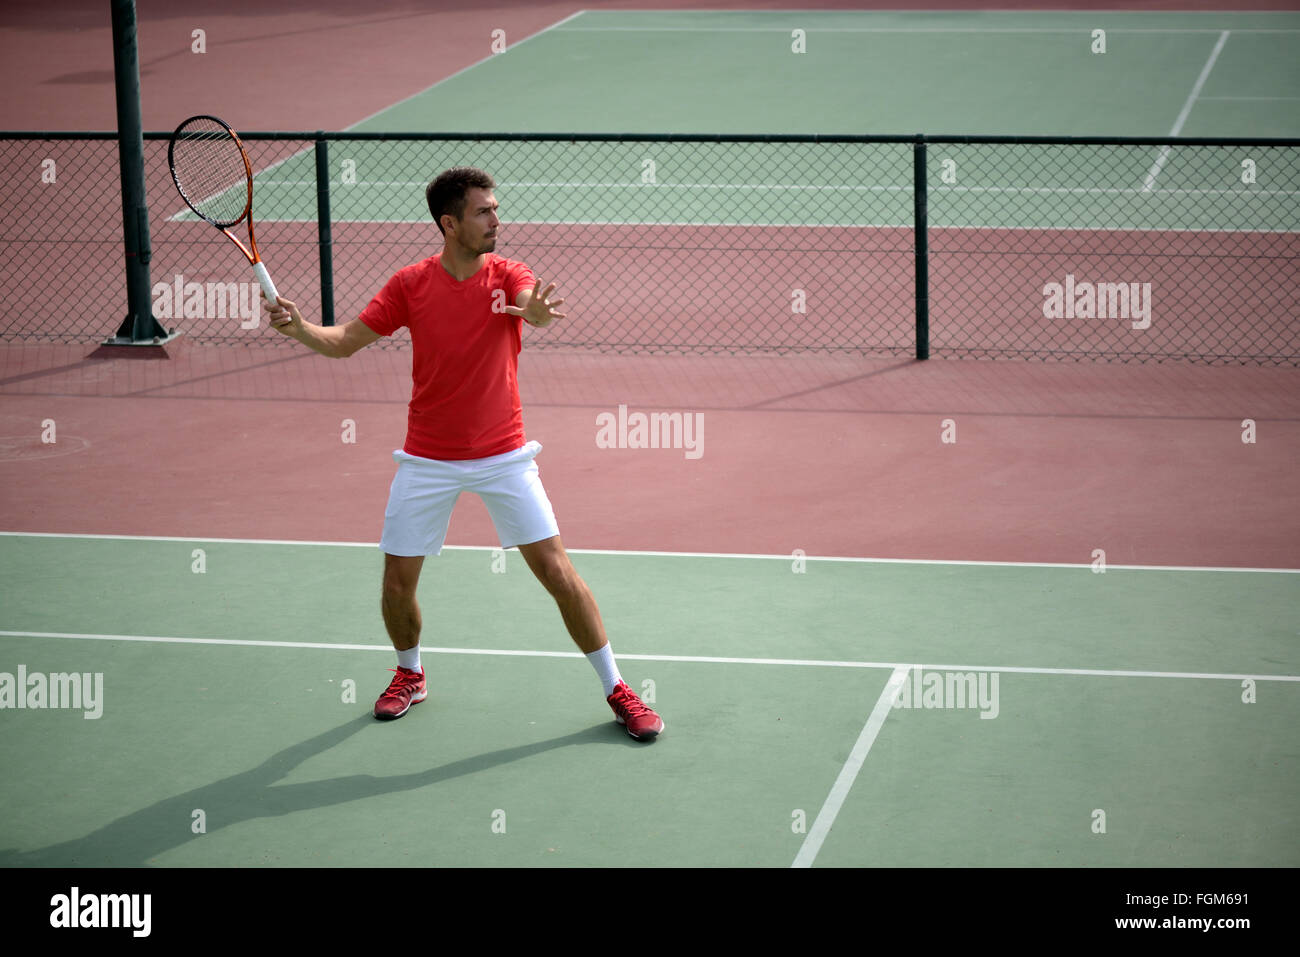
(253, 698)
(935, 72)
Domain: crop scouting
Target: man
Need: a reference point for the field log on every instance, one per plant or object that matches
(465, 428)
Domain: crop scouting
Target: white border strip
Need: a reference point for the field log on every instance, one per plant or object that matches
(812, 843)
(677, 659)
(653, 554)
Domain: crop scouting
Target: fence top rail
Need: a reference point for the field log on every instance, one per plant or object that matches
(916, 138)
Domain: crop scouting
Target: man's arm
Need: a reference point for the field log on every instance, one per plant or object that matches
(336, 342)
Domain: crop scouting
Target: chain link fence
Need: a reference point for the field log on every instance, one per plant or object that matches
(62, 265)
(1114, 251)
(1117, 251)
(659, 247)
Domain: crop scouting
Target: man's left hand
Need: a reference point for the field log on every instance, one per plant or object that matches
(537, 308)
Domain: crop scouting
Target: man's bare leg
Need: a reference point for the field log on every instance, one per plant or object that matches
(553, 568)
(402, 619)
(401, 610)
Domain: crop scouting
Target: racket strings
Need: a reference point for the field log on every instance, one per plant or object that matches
(208, 166)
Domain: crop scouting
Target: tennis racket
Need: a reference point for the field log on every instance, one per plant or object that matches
(212, 173)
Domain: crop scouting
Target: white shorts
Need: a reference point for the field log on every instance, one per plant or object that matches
(424, 492)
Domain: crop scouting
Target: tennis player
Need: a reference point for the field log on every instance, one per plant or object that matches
(465, 429)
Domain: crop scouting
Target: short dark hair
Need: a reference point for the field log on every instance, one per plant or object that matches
(446, 194)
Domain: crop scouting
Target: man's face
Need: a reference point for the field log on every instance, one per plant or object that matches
(476, 230)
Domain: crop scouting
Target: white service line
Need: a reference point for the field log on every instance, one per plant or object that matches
(1187, 110)
(650, 187)
(684, 659)
(1111, 228)
(812, 842)
(632, 553)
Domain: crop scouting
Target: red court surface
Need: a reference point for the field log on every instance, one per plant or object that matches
(834, 456)
(837, 455)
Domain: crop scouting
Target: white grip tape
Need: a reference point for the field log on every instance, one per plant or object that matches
(264, 278)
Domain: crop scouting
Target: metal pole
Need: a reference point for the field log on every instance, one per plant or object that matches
(323, 236)
(921, 215)
(139, 326)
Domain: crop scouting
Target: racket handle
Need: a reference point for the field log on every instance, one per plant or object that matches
(264, 278)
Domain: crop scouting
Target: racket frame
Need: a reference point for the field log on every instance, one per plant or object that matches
(250, 251)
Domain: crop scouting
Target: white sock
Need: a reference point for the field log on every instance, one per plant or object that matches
(603, 661)
(410, 659)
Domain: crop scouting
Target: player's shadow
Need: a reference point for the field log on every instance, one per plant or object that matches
(139, 838)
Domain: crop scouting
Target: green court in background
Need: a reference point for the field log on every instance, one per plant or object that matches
(864, 72)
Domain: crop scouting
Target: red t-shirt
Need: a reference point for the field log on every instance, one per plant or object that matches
(465, 389)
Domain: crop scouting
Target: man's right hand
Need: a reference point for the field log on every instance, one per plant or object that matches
(284, 315)
(334, 342)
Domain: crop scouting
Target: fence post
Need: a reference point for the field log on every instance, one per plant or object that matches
(323, 237)
(139, 327)
(921, 214)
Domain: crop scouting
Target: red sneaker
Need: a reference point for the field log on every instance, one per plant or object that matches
(630, 711)
(404, 690)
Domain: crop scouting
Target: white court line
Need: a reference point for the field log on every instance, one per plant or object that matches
(639, 187)
(807, 187)
(812, 842)
(1086, 31)
(1109, 228)
(654, 554)
(1187, 109)
(675, 659)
